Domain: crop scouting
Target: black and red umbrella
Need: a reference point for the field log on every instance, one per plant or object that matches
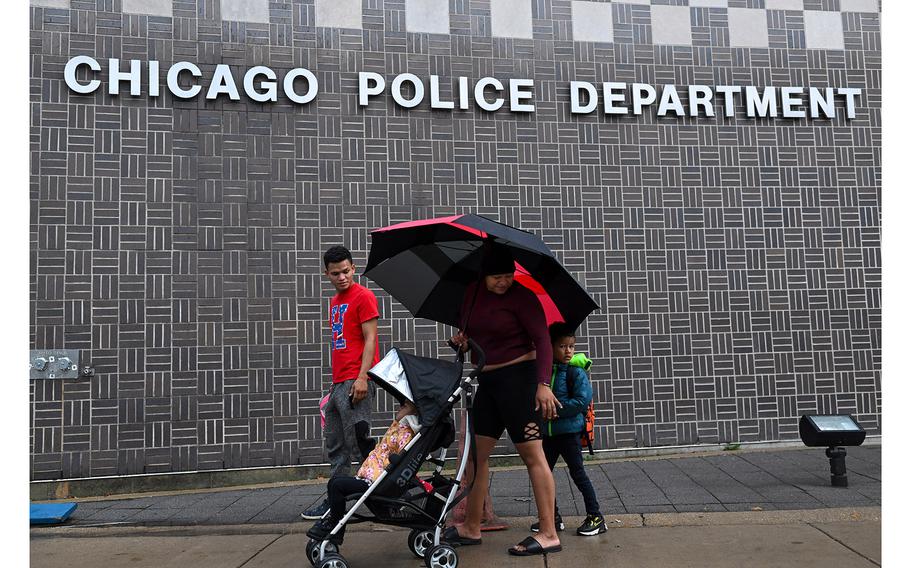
(427, 265)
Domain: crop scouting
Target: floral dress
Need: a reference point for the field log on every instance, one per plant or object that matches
(396, 438)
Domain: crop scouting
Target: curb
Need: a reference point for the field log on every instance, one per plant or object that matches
(130, 487)
(625, 521)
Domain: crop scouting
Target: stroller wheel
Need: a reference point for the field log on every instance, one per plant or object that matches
(312, 551)
(442, 556)
(333, 560)
(419, 541)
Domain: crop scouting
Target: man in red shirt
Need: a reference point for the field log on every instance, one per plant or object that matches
(353, 321)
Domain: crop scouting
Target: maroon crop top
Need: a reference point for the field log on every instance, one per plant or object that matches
(506, 326)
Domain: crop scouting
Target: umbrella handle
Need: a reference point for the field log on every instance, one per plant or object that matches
(481, 357)
(472, 346)
(459, 353)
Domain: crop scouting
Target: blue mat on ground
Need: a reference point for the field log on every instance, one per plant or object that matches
(50, 513)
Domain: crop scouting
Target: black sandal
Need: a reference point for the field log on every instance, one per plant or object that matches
(532, 547)
(450, 536)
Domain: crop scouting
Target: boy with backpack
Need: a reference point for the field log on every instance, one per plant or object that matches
(563, 436)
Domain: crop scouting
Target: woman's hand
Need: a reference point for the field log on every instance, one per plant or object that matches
(460, 340)
(547, 402)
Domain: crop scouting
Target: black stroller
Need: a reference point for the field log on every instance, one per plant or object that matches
(399, 497)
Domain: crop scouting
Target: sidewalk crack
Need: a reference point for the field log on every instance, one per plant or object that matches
(258, 552)
(698, 483)
(613, 485)
(842, 543)
(655, 484)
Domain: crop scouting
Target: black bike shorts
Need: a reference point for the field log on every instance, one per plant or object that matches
(505, 400)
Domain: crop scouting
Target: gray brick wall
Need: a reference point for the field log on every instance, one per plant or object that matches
(177, 243)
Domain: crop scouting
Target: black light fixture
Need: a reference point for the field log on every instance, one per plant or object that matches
(833, 431)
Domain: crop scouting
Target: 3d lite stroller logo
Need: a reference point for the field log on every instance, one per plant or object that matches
(338, 326)
(410, 470)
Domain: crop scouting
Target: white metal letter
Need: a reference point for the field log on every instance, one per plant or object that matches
(173, 84)
(434, 95)
(365, 90)
(788, 99)
(154, 86)
(669, 100)
(418, 90)
(270, 86)
(826, 103)
(115, 76)
(728, 92)
(764, 105)
(69, 74)
(222, 83)
(611, 97)
(700, 96)
(849, 94)
(574, 88)
(516, 95)
(638, 101)
(478, 94)
(463, 93)
(311, 80)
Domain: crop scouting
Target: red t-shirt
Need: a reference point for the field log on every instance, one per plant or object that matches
(347, 311)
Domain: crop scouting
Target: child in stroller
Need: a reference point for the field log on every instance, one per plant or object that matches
(396, 438)
(387, 485)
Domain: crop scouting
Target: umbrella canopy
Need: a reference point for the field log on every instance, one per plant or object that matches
(427, 265)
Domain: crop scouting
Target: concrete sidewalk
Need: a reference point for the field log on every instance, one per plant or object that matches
(845, 538)
(757, 480)
(740, 508)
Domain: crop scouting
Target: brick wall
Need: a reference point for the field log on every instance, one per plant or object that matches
(177, 243)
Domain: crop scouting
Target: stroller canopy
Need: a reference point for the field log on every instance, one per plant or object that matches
(426, 382)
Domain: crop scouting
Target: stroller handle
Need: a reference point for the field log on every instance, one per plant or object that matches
(481, 356)
(472, 345)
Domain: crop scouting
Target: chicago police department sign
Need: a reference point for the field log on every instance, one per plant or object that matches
(84, 75)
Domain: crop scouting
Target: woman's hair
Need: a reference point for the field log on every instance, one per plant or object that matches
(335, 254)
(497, 259)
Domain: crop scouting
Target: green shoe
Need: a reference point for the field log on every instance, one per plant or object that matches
(593, 525)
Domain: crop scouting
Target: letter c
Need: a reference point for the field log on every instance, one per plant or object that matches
(69, 74)
(174, 72)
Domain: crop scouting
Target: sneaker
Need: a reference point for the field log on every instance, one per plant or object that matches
(321, 529)
(594, 524)
(560, 526)
(316, 512)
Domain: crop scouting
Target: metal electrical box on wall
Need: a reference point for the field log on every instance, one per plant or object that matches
(53, 364)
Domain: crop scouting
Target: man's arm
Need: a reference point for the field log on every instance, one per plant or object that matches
(370, 328)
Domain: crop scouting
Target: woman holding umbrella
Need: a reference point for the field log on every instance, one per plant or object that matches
(505, 319)
(512, 288)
